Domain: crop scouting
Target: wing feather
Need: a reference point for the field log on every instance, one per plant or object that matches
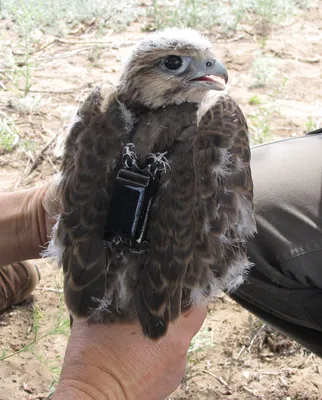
(95, 141)
(222, 158)
(171, 233)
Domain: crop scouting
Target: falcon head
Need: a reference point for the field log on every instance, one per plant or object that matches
(171, 67)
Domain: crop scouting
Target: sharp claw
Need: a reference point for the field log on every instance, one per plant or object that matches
(129, 157)
(161, 160)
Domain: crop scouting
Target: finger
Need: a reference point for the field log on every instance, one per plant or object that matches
(51, 202)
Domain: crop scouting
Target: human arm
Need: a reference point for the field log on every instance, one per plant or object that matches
(22, 224)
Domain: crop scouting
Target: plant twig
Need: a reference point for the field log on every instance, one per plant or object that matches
(94, 42)
(67, 91)
(241, 351)
(311, 60)
(40, 154)
(20, 53)
(44, 47)
(52, 164)
(219, 379)
(41, 396)
(308, 358)
(69, 53)
(253, 392)
(49, 289)
(235, 39)
(255, 337)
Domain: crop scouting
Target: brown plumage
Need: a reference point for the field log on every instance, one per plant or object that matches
(202, 212)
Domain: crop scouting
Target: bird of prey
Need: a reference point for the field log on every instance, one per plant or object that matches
(156, 188)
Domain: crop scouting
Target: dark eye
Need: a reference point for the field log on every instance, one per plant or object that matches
(173, 62)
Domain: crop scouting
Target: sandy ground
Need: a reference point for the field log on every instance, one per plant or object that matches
(233, 357)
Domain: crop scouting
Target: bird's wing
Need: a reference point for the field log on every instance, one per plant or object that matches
(94, 144)
(93, 106)
(225, 190)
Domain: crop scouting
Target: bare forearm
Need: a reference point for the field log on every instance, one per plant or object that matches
(22, 225)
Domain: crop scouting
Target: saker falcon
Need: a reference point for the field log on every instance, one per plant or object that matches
(156, 188)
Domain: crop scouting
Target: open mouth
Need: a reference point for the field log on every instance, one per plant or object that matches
(218, 80)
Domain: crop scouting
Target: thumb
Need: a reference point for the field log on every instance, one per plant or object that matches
(51, 201)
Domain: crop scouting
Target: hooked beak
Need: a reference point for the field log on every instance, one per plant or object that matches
(210, 74)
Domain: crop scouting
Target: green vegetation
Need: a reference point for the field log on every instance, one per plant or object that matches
(260, 120)
(59, 14)
(263, 70)
(8, 133)
(201, 341)
(254, 100)
(224, 15)
(117, 14)
(311, 124)
(61, 326)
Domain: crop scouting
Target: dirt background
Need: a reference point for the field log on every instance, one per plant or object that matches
(234, 356)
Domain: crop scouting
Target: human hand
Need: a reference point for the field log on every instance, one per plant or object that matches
(117, 362)
(26, 221)
(42, 207)
(52, 205)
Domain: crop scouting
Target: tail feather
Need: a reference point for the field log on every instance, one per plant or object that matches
(153, 326)
(83, 303)
(156, 306)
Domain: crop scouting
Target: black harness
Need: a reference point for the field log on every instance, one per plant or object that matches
(130, 205)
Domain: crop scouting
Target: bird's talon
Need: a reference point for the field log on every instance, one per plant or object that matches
(160, 162)
(129, 157)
